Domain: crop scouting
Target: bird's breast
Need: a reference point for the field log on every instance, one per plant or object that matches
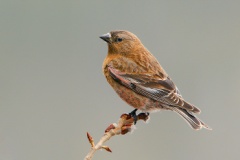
(133, 99)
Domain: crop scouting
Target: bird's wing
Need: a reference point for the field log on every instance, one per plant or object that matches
(151, 86)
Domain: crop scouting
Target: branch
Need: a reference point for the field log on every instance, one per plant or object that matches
(125, 125)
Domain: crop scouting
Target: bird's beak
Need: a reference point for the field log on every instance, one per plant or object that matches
(106, 37)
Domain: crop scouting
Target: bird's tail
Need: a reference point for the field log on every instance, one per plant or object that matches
(192, 120)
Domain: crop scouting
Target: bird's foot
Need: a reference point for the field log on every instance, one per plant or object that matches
(134, 116)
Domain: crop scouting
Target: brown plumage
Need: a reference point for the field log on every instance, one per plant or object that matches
(138, 78)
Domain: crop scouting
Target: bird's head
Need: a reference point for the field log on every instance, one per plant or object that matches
(121, 42)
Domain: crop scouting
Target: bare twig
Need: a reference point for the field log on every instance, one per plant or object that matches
(124, 126)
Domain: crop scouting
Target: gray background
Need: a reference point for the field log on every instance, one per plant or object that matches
(52, 90)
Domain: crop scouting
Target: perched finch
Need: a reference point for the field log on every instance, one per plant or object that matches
(138, 78)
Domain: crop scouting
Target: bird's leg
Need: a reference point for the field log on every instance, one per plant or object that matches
(133, 114)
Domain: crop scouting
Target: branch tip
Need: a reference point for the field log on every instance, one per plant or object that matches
(90, 139)
(106, 148)
(124, 125)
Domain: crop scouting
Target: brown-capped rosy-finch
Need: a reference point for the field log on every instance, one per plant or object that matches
(137, 77)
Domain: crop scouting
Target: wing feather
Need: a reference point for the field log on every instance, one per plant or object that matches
(151, 86)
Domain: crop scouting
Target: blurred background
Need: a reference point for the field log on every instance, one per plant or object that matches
(52, 90)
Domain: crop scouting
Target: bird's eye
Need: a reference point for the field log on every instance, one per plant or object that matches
(119, 39)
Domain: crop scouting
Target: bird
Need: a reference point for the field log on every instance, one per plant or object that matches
(139, 79)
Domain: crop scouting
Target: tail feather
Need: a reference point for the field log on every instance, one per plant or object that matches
(193, 109)
(192, 120)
